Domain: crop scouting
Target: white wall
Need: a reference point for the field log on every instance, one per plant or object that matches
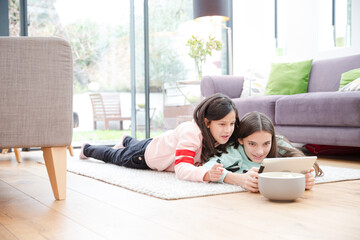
(254, 43)
(253, 34)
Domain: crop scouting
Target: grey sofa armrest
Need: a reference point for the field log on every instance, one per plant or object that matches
(36, 92)
(229, 85)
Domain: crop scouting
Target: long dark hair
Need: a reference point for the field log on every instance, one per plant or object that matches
(212, 108)
(255, 122)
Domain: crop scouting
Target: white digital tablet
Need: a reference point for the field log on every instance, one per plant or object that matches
(288, 164)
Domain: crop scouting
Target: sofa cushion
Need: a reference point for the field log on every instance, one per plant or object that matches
(319, 109)
(264, 104)
(254, 84)
(288, 78)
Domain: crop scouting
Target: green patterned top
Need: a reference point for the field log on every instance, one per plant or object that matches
(235, 160)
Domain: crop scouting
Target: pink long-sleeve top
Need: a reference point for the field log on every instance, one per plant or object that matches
(178, 151)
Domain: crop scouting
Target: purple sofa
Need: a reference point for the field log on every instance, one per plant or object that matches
(321, 116)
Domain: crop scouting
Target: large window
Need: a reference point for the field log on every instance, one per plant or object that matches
(174, 85)
(14, 18)
(100, 37)
(169, 61)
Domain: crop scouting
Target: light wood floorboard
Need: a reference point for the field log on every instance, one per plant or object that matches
(97, 210)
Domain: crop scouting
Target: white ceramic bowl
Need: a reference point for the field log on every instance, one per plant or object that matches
(281, 186)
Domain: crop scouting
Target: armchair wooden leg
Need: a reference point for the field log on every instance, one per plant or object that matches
(4, 151)
(71, 150)
(17, 155)
(55, 161)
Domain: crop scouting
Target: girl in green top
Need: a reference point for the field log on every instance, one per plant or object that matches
(256, 140)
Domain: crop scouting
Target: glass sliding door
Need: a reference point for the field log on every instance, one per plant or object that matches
(14, 18)
(98, 33)
(168, 62)
(174, 83)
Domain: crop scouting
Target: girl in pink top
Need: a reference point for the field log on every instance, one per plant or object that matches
(182, 150)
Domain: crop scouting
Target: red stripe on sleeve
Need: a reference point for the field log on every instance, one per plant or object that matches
(185, 153)
(184, 160)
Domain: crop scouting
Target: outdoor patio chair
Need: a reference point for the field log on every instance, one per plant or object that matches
(106, 108)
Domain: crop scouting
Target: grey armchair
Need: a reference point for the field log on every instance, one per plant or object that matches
(36, 92)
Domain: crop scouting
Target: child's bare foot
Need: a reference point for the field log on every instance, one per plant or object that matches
(120, 144)
(82, 155)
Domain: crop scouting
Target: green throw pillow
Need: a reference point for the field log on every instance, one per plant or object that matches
(348, 77)
(289, 78)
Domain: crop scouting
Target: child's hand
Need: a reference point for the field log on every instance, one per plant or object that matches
(309, 179)
(251, 180)
(214, 174)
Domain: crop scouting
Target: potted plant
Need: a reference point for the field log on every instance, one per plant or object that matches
(199, 49)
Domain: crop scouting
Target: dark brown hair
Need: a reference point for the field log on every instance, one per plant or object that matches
(215, 107)
(255, 122)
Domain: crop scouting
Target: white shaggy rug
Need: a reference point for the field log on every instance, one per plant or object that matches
(164, 185)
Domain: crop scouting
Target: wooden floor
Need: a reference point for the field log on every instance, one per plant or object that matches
(97, 210)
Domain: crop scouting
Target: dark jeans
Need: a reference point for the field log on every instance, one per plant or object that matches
(131, 156)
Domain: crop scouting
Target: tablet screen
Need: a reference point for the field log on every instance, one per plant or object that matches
(288, 164)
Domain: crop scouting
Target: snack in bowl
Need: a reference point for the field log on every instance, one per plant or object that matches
(281, 186)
